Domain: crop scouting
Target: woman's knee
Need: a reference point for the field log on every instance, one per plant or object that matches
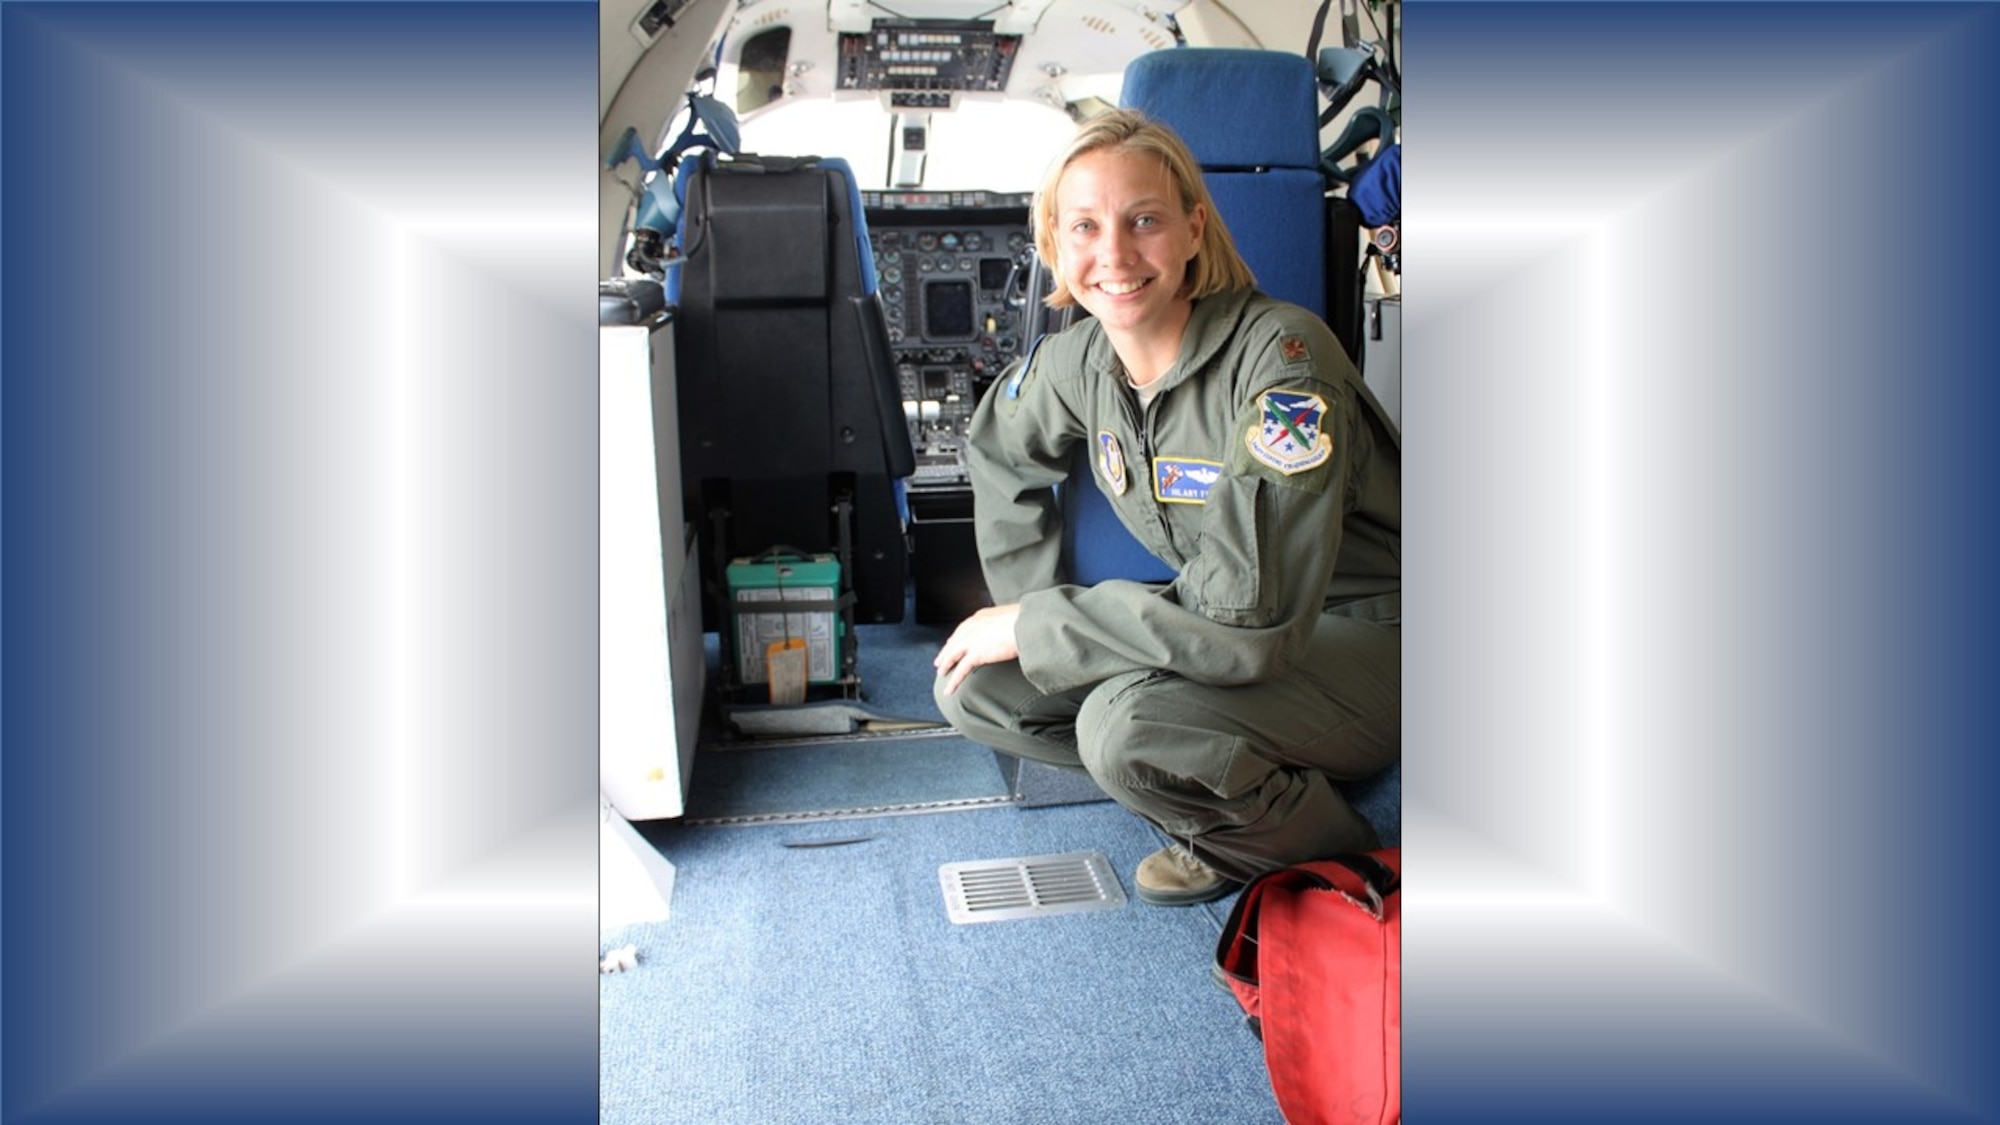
(1111, 726)
(972, 707)
(996, 706)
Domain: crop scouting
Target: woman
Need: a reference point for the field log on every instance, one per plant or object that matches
(1231, 434)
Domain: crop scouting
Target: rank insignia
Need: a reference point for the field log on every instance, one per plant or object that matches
(1111, 461)
(1184, 480)
(1288, 437)
(1293, 349)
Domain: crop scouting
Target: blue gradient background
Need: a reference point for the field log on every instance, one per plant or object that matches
(298, 478)
(300, 573)
(1700, 507)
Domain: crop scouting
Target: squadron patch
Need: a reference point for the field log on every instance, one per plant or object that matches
(1184, 480)
(1111, 461)
(1288, 438)
(1294, 350)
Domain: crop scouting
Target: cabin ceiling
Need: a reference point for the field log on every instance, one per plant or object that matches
(671, 38)
(1072, 51)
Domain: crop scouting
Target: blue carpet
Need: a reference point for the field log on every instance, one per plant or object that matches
(860, 774)
(894, 662)
(1380, 801)
(822, 986)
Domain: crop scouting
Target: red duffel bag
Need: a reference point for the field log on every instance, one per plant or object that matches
(1314, 954)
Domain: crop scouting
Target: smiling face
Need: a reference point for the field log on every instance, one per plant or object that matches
(1124, 238)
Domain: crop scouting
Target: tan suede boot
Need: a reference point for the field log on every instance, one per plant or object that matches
(1172, 876)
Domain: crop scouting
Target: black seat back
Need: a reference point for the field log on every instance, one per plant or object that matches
(790, 414)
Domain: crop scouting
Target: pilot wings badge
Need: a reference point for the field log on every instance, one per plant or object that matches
(1288, 437)
(1111, 461)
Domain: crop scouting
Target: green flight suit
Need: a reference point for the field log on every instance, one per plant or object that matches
(1222, 706)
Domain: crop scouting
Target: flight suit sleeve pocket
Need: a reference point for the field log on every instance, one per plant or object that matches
(1226, 580)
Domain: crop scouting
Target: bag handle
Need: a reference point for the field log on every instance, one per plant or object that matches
(1236, 951)
(1377, 879)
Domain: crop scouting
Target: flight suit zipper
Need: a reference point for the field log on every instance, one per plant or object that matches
(1146, 415)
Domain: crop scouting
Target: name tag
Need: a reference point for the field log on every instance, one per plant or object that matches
(1184, 480)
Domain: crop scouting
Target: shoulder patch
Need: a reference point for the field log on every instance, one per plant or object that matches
(1111, 461)
(1289, 436)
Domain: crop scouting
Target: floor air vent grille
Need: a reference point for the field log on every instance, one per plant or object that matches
(997, 890)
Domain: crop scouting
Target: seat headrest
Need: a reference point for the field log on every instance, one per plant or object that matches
(1235, 107)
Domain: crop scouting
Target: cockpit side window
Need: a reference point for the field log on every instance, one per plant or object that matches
(760, 72)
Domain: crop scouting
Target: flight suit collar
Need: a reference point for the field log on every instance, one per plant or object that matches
(1208, 332)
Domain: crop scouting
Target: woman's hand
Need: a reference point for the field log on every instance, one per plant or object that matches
(987, 637)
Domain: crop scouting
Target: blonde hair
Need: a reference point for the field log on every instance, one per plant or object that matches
(1216, 266)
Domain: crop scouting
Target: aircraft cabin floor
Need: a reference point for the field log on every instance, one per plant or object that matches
(809, 974)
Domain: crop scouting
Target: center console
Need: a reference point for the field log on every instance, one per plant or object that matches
(952, 273)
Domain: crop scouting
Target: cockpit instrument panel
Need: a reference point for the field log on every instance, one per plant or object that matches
(952, 272)
(902, 54)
